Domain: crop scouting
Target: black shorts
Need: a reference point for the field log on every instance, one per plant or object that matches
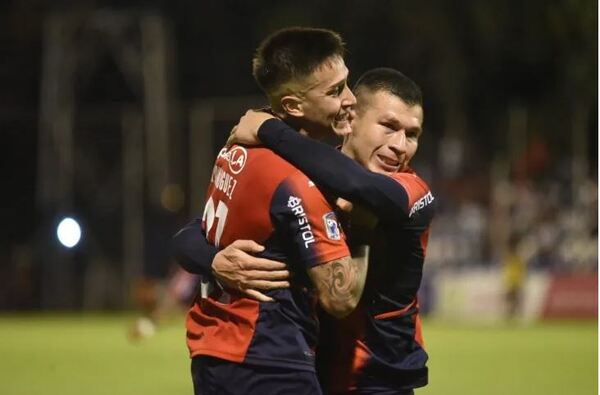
(213, 376)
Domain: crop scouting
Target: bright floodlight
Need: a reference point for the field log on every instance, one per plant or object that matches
(68, 232)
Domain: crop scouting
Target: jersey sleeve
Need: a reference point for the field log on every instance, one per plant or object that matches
(418, 192)
(302, 215)
(336, 172)
(192, 250)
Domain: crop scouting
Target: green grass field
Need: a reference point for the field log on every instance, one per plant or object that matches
(70, 354)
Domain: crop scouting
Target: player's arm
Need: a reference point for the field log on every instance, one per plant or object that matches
(316, 243)
(340, 283)
(232, 267)
(325, 165)
(328, 167)
(192, 251)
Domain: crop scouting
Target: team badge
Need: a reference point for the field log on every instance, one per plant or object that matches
(331, 226)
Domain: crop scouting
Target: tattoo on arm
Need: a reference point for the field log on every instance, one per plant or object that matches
(340, 278)
(341, 282)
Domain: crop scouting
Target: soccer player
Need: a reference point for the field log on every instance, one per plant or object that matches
(158, 303)
(378, 349)
(238, 344)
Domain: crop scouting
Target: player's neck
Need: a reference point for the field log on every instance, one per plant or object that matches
(346, 150)
(297, 125)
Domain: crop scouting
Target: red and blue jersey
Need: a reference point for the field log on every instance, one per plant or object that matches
(254, 194)
(380, 345)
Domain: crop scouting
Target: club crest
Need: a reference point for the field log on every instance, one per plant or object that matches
(331, 226)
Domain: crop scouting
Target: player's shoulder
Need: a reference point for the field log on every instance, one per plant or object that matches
(240, 154)
(410, 177)
(240, 159)
(412, 182)
(300, 181)
(298, 184)
(419, 195)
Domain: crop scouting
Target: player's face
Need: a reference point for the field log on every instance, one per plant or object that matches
(328, 102)
(385, 133)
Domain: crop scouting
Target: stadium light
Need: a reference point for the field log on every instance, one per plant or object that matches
(68, 232)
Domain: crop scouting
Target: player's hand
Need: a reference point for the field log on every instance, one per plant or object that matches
(246, 131)
(235, 268)
(344, 205)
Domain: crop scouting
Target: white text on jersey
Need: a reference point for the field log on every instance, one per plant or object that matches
(419, 204)
(223, 181)
(294, 203)
(235, 157)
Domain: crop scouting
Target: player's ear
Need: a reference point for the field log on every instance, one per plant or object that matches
(292, 105)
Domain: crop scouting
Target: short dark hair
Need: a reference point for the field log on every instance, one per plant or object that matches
(391, 81)
(292, 54)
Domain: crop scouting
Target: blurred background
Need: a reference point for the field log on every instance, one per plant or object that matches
(112, 112)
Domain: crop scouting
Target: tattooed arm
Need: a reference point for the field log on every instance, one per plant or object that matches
(340, 283)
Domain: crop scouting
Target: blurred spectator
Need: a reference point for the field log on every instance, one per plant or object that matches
(157, 300)
(559, 229)
(514, 271)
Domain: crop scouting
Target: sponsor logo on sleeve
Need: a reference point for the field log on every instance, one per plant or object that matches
(295, 204)
(421, 203)
(331, 226)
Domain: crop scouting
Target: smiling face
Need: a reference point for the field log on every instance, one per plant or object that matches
(323, 103)
(385, 133)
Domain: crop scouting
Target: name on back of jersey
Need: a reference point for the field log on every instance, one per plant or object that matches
(223, 181)
(223, 176)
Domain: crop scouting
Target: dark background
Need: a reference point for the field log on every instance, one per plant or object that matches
(509, 85)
